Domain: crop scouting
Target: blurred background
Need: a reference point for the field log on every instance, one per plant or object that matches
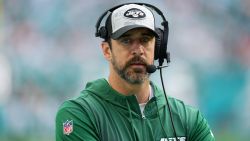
(48, 52)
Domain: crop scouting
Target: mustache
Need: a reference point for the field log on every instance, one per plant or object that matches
(136, 60)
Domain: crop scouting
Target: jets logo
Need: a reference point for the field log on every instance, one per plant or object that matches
(134, 13)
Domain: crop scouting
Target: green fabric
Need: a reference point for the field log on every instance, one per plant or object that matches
(102, 114)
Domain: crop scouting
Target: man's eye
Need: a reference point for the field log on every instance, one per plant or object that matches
(145, 39)
(125, 41)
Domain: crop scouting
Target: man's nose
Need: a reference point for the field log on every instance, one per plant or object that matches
(137, 48)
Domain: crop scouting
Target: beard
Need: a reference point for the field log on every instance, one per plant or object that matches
(131, 75)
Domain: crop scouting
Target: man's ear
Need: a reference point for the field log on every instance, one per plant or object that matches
(106, 50)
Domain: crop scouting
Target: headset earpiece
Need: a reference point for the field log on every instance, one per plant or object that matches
(103, 32)
(161, 45)
(158, 43)
(163, 49)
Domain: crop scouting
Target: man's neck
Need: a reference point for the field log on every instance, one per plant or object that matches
(141, 91)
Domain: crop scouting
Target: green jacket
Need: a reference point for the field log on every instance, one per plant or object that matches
(102, 114)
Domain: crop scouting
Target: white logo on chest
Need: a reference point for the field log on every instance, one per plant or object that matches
(173, 139)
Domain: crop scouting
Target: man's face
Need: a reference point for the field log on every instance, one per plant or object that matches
(131, 53)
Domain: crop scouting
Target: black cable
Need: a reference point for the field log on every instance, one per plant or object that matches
(160, 118)
(169, 109)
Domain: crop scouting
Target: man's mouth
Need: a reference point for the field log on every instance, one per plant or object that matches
(138, 65)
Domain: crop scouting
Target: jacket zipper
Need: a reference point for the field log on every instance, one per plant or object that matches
(143, 119)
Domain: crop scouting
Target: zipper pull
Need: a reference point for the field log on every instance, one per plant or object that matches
(143, 116)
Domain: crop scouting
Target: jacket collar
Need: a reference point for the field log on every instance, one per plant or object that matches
(102, 89)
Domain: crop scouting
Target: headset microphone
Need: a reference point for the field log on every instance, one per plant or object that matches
(153, 68)
(150, 68)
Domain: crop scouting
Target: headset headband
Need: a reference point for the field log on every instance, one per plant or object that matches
(113, 8)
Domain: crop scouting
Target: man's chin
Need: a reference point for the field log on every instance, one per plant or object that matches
(137, 78)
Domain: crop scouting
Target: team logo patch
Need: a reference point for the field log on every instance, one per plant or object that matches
(134, 13)
(68, 127)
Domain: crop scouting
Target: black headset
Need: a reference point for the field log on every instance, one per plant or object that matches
(161, 41)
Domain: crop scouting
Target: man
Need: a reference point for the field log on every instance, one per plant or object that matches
(128, 106)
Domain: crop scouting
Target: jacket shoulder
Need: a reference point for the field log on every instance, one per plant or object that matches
(79, 102)
(77, 112)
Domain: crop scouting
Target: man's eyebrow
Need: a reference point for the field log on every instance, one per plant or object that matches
(148, 34)
(125, 35)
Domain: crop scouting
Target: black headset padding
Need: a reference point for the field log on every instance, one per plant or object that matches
(158, 43)
(103, 32)
(163, 49)
(161, 42)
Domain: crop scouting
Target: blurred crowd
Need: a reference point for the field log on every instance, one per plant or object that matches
(49, 52)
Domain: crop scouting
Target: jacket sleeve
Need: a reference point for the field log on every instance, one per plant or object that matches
(73, 123)
(200, 130)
